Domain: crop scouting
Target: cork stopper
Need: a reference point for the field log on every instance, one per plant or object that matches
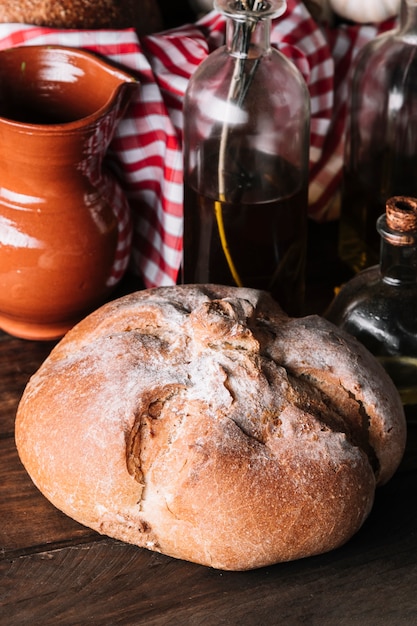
(401, 212)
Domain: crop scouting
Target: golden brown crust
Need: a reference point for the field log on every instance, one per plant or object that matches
(143, 15)
(202, 422)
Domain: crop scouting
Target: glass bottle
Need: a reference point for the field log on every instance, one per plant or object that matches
(379, 304)
(381, 137)
(246, 150)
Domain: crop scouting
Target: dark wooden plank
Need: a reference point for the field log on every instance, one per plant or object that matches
(28, 520)
(371, 580)
(19, 359)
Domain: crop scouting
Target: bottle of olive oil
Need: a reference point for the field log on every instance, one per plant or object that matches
(246, 157)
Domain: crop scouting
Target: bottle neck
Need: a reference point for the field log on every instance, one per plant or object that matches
(249, 24)
(248, 38)
(398, 255)
(408, 17)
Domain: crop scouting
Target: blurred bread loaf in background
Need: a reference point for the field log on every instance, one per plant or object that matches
(143, 15)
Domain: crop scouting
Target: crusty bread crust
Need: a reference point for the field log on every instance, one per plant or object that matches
(202, 422)
(144, 15)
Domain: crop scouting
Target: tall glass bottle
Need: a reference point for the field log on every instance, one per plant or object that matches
(246, 150)
(381, 140)
(379, 305)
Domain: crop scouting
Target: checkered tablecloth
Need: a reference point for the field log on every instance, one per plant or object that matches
(147, 147)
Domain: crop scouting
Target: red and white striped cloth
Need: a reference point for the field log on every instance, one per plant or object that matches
(148, 142)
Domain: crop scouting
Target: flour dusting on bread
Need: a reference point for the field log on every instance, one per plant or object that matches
(202, 422)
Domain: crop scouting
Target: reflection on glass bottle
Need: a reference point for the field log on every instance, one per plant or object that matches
(246, 149)
(381, 137)
(379, 305)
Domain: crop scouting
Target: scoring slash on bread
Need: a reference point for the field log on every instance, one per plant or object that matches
(203, 423)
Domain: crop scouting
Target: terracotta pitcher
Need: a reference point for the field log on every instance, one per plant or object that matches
(59, 206)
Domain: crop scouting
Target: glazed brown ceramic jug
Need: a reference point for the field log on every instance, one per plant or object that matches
(59, 205)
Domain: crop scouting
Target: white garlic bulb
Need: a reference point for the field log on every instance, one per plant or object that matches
(366, 11)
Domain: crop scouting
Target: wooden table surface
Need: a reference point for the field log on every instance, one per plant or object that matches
(54, 571)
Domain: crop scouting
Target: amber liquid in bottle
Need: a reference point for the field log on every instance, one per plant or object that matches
(266, 240)
(403, 371)
(365, 192)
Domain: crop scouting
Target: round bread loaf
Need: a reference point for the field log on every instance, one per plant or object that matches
(202, 422)
(144, 15)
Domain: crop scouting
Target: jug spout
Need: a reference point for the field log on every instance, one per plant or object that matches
(116, 90)
(125, 88)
